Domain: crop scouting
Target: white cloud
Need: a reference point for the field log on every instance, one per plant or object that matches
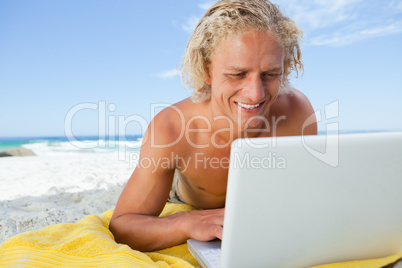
(190, 24)
(341, 39)
(168, 74)
(337, 23)
(315, 14)
(343, 22)
(395, 5)
(205, 6)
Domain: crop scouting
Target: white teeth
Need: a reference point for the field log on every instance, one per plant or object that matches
(247, 106)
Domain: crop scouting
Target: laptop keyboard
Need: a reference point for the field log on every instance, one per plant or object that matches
(212, 256)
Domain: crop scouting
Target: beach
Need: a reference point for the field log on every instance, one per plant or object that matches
(62, 186)
(51, 188)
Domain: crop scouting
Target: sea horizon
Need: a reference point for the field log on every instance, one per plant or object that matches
(43, 145)
(46, 144)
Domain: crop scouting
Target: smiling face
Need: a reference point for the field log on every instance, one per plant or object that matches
(245, 77)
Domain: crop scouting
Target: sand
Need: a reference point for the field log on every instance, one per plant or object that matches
(38, 191)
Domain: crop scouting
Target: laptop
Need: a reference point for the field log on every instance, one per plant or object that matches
(309, 200)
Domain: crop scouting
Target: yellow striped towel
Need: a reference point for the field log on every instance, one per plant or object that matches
(89, 243)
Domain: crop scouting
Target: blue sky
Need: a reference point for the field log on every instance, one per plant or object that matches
(58, 56)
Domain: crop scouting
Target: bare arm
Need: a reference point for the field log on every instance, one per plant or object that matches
(135, 221)
(149, 233)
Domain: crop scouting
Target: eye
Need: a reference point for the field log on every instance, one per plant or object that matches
(238, 75)
(271, 75)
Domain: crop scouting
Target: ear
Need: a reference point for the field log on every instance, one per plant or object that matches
(208, 79)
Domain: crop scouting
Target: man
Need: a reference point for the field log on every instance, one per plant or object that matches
(237, 62)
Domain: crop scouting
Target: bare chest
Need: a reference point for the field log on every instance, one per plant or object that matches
(206, 170)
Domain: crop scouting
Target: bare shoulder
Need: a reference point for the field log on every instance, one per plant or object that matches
(296, 112)
(167, 127)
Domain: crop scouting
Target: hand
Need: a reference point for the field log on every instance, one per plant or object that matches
(204, 225)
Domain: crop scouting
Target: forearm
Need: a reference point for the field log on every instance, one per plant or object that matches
(148, 233)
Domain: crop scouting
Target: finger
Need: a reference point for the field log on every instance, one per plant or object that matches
(218, 220)
(218, 211)
(218, 230)
(214, 219)
(221, 210)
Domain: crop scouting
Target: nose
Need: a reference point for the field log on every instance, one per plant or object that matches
(254, 89)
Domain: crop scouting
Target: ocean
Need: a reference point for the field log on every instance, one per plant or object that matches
(64, 145)
(91, 144)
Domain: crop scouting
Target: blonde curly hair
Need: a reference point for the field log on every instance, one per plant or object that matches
(230, 17)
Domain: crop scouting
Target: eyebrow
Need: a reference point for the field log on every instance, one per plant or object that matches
(240, 69)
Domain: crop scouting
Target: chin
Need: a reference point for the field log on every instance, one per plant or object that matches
(253, 124)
